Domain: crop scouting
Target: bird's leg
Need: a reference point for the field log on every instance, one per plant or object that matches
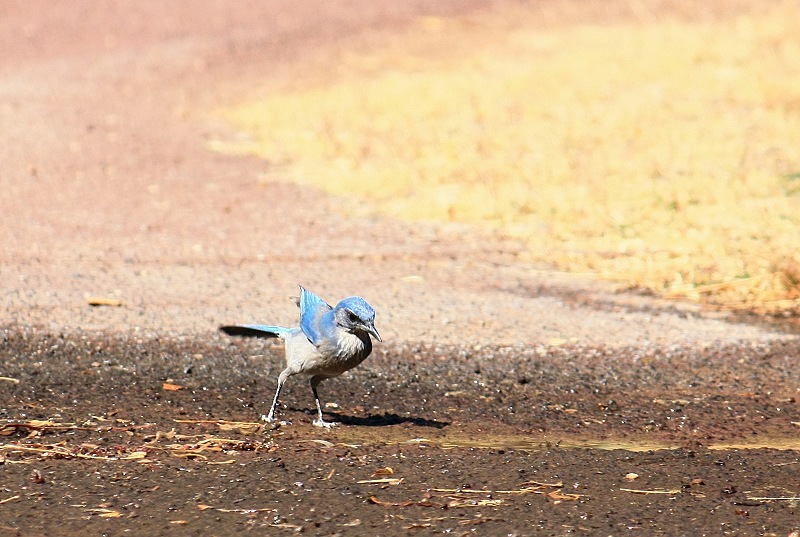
(320, 421)
(285, 374)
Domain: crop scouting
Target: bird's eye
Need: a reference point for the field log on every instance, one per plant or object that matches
(352, 317)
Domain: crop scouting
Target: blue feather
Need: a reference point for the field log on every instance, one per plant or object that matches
(255, 330)
(313, 310)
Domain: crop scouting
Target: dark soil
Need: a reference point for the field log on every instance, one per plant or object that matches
(492, 442)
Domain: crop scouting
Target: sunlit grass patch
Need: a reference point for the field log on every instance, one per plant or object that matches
(665, 154)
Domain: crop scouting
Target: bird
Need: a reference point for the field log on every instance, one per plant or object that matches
(328, 342)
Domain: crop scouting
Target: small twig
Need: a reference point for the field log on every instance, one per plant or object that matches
(9, 379)
(536, 488)
(38, 425)
(638, 491)
(11, 499)
(557, 485)
(62, 451)
(465, 491)
(323, 443)
(386, 480)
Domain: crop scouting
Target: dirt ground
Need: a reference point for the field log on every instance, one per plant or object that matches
(507, 399)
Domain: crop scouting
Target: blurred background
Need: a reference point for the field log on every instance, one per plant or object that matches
(660, 148)
(470, 164)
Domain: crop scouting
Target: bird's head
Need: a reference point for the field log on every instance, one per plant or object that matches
(354, 314)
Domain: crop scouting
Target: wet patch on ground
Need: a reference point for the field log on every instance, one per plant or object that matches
(116, 433)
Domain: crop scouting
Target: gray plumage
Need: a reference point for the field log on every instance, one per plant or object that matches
(328, 342)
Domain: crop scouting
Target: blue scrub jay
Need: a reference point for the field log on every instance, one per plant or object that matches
(328, 342)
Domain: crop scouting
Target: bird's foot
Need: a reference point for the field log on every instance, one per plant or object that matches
(322, 423)
(270, 418)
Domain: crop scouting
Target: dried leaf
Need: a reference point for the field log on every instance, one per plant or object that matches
(376, 501)
(103, 301)
(559, 496)
(383, 471)
(41, 424)
(168, 386)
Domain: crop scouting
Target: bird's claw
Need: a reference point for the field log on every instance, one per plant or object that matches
(274, 422)
(325, 424)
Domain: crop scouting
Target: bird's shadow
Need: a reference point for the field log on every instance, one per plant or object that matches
(384, 420)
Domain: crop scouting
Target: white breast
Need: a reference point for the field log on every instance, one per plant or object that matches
(349, 345)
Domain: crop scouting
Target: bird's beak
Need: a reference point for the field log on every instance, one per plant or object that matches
(374, 331)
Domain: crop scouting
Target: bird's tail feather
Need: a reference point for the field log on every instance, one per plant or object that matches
(255, 330)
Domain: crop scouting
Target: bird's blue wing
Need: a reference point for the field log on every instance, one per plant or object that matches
(312, 310)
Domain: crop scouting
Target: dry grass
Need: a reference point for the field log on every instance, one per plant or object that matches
(665, 154)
